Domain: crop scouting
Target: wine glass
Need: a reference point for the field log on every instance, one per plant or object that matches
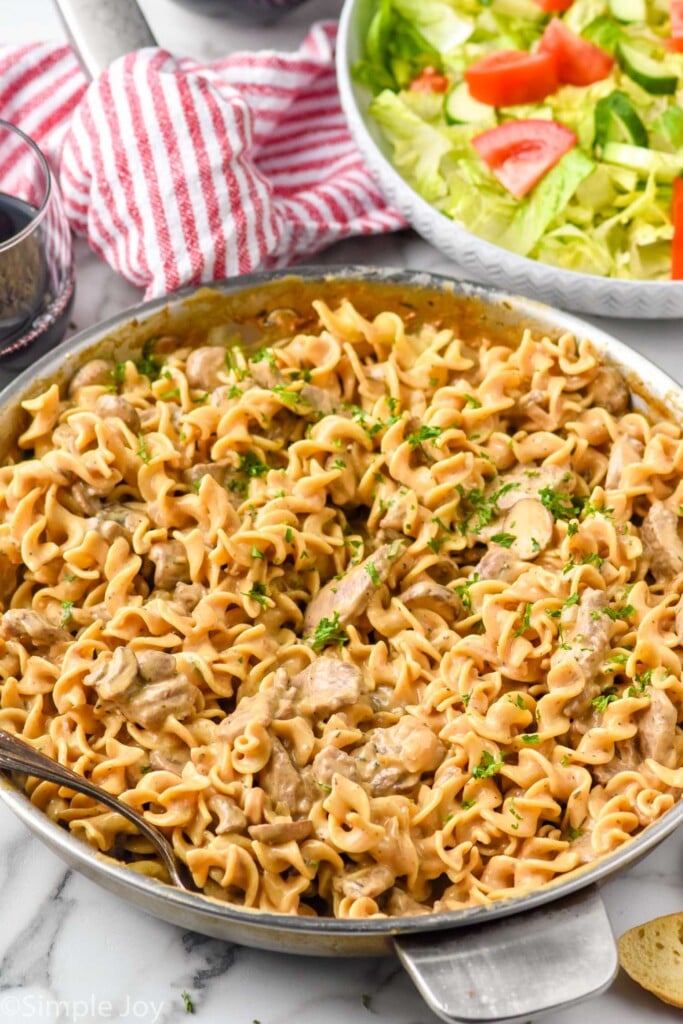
(36, 263)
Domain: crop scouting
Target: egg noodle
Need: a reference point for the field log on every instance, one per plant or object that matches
(372, 622)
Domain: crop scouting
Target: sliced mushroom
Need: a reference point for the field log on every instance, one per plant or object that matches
(205, 366)
(26, 625)
(610, 390)
(432, 593)
(171, 564)
(662, 546)
(116, 520)
(347, 597)
(95, 371)
(500, 564)
(150, 704)
(527, 481)
(155, 665)
(282, 831)
(188, 596)
(112, 677)
(624, 452)
(531, 525)
(286, 785)
(115, 406)
(367, 882)
(231, 818)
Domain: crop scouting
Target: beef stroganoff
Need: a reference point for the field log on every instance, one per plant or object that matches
(375, 621)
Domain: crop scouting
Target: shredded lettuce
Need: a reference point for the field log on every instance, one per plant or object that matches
(599, 212)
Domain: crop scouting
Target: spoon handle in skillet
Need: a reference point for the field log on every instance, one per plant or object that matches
(100, 32)
(18, 756)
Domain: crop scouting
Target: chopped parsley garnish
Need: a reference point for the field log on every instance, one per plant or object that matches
(463, 591)
(425, 433)
(526, 619)
(145, 769)
(592, 558)
(574, 833)
(619, 613)
(174, 393)
(324, 786)
(339, 464)
(472, 402)
(372, 573)
(600, 703)
(531, 737)
(289, 535)
(256, 552)
(148, 364)
(187, 1002)
(257, 593)
(328, 632)
(260, 355)
(488, 766)
(142, 451)
(66, 612)
(118, 373)
(591, 509)
(288, 396)
(480, 506)
(200, 399)
(505, 540)
(467, 804)
(196, 484)
(559, 504)
(251, 465)
(518, 701)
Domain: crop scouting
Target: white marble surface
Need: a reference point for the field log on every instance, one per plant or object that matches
(70, 951)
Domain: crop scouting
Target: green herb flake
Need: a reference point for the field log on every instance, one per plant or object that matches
(531, 738)
(600, 703)
(201, 399)
(619, 613)
(328, 632)
(257, 593)
(324, 786)
(559, 504)
(174, 393)
(148, 364)
(487, 767)
(338, 464)
(145, 769)
(66, 612)
(142, 451)
(463, 591)
(481, 507)
(250, 464)
(425, 433)
(526, 619)
(256, 552)
(467, 804)
(289, 535)
(187, 1002)
(505, 540)
(372, 573)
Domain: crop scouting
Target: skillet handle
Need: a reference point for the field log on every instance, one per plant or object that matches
(100, 32)
(515, 967)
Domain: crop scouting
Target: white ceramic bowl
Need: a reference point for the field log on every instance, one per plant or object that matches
(481, 260)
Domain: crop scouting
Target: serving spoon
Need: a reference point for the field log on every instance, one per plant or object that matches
(16, 755)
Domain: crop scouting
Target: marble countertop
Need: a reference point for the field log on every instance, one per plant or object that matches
(69, 951)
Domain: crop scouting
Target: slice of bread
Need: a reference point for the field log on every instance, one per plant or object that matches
(652, 954)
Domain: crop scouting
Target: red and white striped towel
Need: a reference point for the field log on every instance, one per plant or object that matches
(179, 172)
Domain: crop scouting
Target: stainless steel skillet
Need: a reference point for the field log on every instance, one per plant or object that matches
(507, 962)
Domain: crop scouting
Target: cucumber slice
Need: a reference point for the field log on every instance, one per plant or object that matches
(669, 125)
(646, 71)
(616, 120)
(665, 166)
(628, 10)
(460, 107)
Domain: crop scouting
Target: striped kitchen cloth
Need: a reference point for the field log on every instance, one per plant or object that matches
(179, 172)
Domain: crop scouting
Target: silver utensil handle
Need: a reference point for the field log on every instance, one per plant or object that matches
(513, 968)
(18, 756)
(100, 32)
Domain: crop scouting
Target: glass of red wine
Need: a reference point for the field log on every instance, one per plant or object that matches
(36, 262)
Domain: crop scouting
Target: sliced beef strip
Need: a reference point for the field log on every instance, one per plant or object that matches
(657, 728)
(282, 831)
(586, 645)
(348, 597)
(331, 761)
(260, 708)
(286, 785)
(662, 546)
(394, 759)
(325, 686)
(26, 625)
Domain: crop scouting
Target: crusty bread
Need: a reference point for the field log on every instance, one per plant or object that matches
(652, 954)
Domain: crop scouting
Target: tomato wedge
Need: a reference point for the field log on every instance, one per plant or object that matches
(676, 19)
(508, 77)
(554, 5)
(430, 80)
(677, 241)
(520, 153)
(578, 62)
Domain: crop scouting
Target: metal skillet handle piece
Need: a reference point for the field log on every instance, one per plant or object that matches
(516, 967)
(100, 32)
(18, 756)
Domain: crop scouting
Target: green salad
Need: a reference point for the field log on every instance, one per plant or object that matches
(550, 127)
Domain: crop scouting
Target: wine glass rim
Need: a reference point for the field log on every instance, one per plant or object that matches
(40, 211)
